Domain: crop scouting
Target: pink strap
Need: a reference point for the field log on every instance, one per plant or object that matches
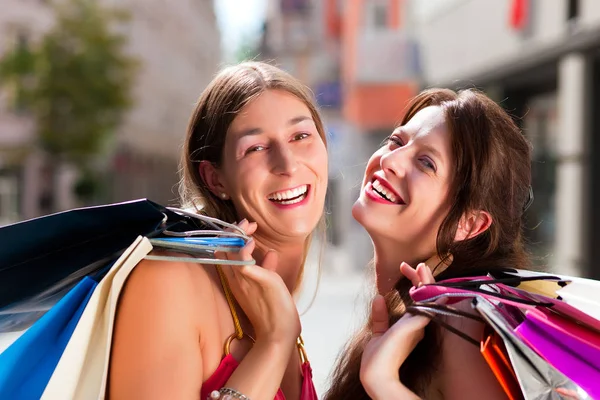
(434, 291)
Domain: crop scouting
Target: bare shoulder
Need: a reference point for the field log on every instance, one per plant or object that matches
(156, 351)
(169, 285)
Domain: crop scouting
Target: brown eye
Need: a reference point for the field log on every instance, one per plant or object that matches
(301, 136)
(254, 149)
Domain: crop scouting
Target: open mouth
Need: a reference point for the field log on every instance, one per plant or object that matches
(289, 196)
(385, 192)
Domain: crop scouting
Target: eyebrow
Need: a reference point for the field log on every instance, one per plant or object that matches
(291, 122)
(435, 152)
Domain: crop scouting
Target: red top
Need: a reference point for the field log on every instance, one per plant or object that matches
(228, 364)
(225, 369)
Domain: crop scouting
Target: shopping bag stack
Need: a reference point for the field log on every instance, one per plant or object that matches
(542, 331)
(60, 280)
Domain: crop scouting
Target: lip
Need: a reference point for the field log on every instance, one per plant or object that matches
(369, 190)
(295, 205)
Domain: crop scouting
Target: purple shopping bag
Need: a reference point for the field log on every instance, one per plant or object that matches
(565, 350)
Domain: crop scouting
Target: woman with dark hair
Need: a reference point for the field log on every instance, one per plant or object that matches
(255, 151)
(447, 190)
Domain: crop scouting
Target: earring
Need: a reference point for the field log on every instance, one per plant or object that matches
(224, 196)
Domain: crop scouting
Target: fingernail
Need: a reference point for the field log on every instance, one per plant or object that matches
(244, 220)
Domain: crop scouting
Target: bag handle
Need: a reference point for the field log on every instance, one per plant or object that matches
(434, 311)
(491, 281)
(434, 291)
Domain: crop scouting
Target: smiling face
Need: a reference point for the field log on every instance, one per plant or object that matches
(274, 165)
(406, 184)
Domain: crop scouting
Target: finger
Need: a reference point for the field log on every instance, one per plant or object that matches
(402, 337)
(408, 325)
(232, 277)
(256, 273)
(425, 274)
(243, 224)
(379, 315)
(245, 253)
(252, 226)
(410, 273)
(270, 260)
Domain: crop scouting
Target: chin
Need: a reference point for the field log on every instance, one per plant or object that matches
(298, 228)
(360, 211)
(375, 227)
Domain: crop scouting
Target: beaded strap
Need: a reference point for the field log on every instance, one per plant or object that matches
(226, 394)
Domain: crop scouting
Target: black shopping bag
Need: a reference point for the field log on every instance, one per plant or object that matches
(59, 249)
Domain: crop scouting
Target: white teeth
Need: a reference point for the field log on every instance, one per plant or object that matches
(285, 195)
(286, 202)
(379, 187)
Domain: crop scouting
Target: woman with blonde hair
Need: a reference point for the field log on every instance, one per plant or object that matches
(255, 151)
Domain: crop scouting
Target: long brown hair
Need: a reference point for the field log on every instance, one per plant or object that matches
(492, 172)
(222, 100)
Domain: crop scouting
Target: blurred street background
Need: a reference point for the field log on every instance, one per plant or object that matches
(95, 97)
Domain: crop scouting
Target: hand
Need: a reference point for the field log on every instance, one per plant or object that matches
(262, 294)
(389, 347)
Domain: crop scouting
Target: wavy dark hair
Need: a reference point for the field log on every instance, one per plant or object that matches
(492, 172)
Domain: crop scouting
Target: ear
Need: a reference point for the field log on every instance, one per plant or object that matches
(212, 178)
(472, 224)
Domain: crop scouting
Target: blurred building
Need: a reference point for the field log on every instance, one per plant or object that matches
(540, 60)
(180, 47)
(362, 64)
(178, 44)
(20, 166)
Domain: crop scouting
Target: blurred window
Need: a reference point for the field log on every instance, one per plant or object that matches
(375, 15)
(380, 16)
(291, 6)
(332, 216)
(573, 10)
(541, 128)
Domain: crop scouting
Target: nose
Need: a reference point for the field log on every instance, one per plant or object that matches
(284, 160)
(396, 162)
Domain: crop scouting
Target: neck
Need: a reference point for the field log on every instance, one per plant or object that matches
(290, 254)
(389, 254)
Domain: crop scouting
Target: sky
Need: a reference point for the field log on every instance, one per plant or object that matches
(238, 21)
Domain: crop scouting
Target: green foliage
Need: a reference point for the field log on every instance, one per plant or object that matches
(76, 81)
(90, 186)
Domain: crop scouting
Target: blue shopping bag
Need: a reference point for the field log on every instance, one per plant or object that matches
(27, 365)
